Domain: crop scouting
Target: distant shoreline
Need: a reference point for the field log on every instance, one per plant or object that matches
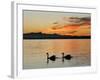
(55, 39)
(52, 36)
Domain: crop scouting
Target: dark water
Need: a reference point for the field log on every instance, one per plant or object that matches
(34, 53)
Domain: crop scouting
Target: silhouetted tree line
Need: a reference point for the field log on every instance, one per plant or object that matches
(51, 36)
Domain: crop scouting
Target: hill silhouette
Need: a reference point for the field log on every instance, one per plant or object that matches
(40, 35)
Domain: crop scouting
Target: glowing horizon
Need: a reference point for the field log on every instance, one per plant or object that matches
(63, 23)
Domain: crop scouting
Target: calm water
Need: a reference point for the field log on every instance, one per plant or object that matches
(34, 53)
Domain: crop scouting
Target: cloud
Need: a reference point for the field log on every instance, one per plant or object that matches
(55, 23)
(72, 22)
(68, 32)
(71, 26)
(76, 19)
(79, 21)
(72, 32)
(57, 27)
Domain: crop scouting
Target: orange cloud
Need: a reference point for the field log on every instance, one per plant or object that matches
(73, 22)
(74, 26)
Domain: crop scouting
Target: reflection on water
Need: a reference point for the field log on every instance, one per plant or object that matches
(34, 53)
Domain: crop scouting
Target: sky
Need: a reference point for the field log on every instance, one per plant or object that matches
(63, 23)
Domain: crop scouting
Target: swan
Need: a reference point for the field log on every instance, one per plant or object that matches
(68, 57)
(53, 57)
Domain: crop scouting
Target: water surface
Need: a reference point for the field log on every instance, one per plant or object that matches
(34, 53)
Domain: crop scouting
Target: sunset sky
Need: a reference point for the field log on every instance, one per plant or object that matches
(63, 23)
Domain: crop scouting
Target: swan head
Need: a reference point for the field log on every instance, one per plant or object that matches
(62, 53)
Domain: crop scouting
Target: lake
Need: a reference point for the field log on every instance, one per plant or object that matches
(34, 53)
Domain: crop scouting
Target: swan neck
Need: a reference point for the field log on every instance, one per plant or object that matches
(47, 55)
(62, 54)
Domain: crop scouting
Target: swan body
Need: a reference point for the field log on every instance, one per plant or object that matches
(68, 57)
